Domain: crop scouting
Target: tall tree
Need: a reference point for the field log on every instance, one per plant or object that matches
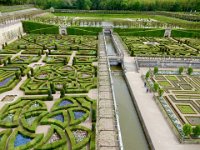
(84, 4)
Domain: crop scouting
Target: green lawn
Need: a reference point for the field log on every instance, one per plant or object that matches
(172, 78)
(109, 17)
(103, 16)
(186, 109)
(164, 83)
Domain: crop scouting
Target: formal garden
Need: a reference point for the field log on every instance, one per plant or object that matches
(154, 46)
(55, 74)
(177, 94)
(68, 122)
(58, 87)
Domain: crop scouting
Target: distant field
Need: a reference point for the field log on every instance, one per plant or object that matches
(171, 20)
(103, 16)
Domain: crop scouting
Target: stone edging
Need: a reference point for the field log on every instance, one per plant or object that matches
(147, 136)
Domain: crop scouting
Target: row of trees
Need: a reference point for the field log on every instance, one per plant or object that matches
(156, 86)
(180, 70)
(169, 5)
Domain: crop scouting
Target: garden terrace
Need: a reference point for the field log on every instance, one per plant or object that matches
(49, 25)
(31, 44)
(57, 42)
(149, 46)
(181, 97)
(70, 120)
(48, 122)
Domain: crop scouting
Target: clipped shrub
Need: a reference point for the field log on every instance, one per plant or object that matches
(187, 129)
(147, 75)
(190, 70)
(180, 70)
(52, 86)
(156, 87)
(50, 97)
(196, 130)
(155, 70)
(32, 72)
(62, 93)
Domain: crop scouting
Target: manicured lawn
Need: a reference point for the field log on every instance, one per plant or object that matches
(163, 19)
(103, 16)
(173, 78)
(186, 109)
(164, 83)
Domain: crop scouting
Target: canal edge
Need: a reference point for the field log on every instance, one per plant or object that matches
(144, 128)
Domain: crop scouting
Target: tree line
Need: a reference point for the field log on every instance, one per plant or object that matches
(138, 5)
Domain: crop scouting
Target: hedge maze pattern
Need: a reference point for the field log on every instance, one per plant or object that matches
(182, 95)
(64, 120)
(45, 65)
(151, 46)
(74, 79)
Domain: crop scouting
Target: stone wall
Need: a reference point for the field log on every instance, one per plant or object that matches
(10, 32)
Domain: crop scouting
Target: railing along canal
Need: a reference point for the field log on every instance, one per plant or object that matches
(115, 104)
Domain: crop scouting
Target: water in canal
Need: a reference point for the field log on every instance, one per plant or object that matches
(132, 134)
(110, 48)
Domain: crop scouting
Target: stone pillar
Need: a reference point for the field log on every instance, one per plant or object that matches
(63, 30)
(168, 32)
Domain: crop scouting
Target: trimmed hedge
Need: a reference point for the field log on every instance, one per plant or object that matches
(84, 30)
(42, 98)
(14, 122)
(140, 32)
(39, 28)
(75, 121)
(36, 139)
(46, 120)
(84, 60)
(185, 33)
(68, 98)
(75, 82)
(12, 82)
(3, 138)
(35, 123)
(56, 144)
(78, 146)
(27, 108)
(94, 107)
(93, 138)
